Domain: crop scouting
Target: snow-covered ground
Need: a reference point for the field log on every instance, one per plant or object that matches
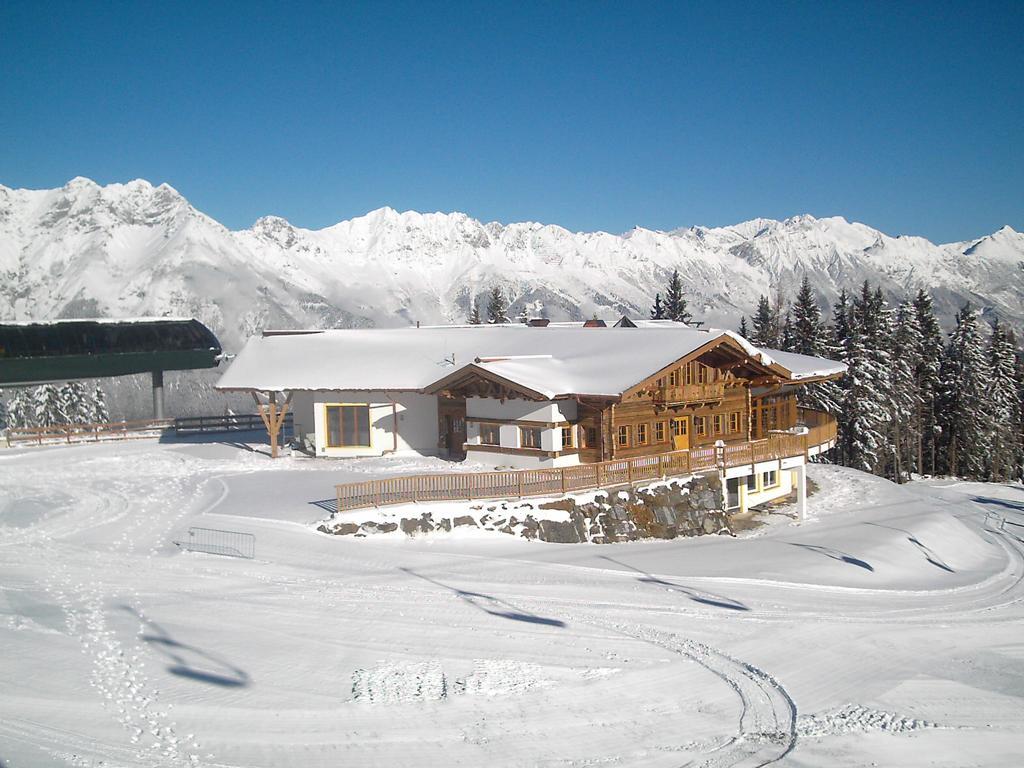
(887, 629)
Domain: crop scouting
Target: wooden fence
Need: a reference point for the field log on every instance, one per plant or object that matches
(138, 428)
(235, 422)
(87, 433)
(455, 486)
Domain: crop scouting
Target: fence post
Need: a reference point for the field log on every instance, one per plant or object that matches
(519, 480)
(600, 466)
(562, 473)
(629, 471)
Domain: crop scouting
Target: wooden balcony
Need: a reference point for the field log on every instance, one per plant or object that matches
(551, 482)
(685, 394)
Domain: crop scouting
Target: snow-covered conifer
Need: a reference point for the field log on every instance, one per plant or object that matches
(658, 310)
(497, 307)
(47, 406)
(765, 332)
(744, 331)
(1004, 401)
(74, 404)
(965, 412)
(927, 374)
(788, 340)
(675, 302)
(99, 413)
(904, 398)
(474, 312)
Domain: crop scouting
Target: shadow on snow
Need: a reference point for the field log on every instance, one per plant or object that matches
(189, 661)
(705, 598)
(835, 554)
(929, 554)
(491, 605)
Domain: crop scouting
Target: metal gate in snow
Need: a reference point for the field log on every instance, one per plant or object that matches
(218, 542)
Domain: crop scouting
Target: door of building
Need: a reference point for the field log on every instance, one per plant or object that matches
(680, 433)
(455, 436)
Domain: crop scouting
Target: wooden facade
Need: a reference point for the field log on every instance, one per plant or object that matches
(717, 392)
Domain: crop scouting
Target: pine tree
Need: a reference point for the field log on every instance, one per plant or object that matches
(840, 338)
(675, 302)
(807, 328)
(523, 317)
(788, 335)
(497, 307)
(99, 414)
(3, 411)
(1019, 375)
(744, 331)
(658, 310)
(74, 404)
(474, 312)
(966, 415)
(864, 415)
(927, 375)
(868, 397)
(905, 398)
(1004, 400)
(766, 325)
(47, 405)
(21, 409)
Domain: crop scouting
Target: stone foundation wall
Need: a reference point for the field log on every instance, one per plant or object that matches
(666, 510)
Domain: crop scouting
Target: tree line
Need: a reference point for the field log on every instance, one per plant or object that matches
(51, 405)
(913, 401)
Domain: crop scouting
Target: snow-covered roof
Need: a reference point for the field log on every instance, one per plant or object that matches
(804, 366)
(549, 361)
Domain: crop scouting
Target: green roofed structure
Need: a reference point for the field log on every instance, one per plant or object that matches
(64, 350)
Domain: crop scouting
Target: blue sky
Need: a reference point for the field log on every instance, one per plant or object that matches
(907, 117)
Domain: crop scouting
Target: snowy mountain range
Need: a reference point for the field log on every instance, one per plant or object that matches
(133, 249)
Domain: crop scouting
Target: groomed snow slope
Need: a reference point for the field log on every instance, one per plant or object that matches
(885, 629)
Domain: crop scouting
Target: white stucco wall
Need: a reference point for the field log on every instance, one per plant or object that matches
(417, 422)
(530, 410)
(521, 460)
(549, 412)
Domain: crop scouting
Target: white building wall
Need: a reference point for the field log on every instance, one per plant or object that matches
(528, 410)
(548, 412)
(416, 419)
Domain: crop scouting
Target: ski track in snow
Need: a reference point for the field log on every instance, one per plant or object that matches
(116, 670)
(767, 729)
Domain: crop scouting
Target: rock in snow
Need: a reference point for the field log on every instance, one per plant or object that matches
(134, 249)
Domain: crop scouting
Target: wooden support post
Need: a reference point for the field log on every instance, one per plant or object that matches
(562, 473)
(519, 479)
(272, 417)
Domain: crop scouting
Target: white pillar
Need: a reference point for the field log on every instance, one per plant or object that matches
(801, 492)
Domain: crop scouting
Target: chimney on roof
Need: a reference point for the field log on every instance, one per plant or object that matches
(539, 322)
(595, 323)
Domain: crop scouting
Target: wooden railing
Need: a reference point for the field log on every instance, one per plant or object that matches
(138, 428)
(690, 393)
(455, 486)
(87, 433)
(235, 422)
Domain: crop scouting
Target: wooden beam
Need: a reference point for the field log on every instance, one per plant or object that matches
(274, 425)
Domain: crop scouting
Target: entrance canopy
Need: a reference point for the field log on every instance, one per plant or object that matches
(63, 350)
